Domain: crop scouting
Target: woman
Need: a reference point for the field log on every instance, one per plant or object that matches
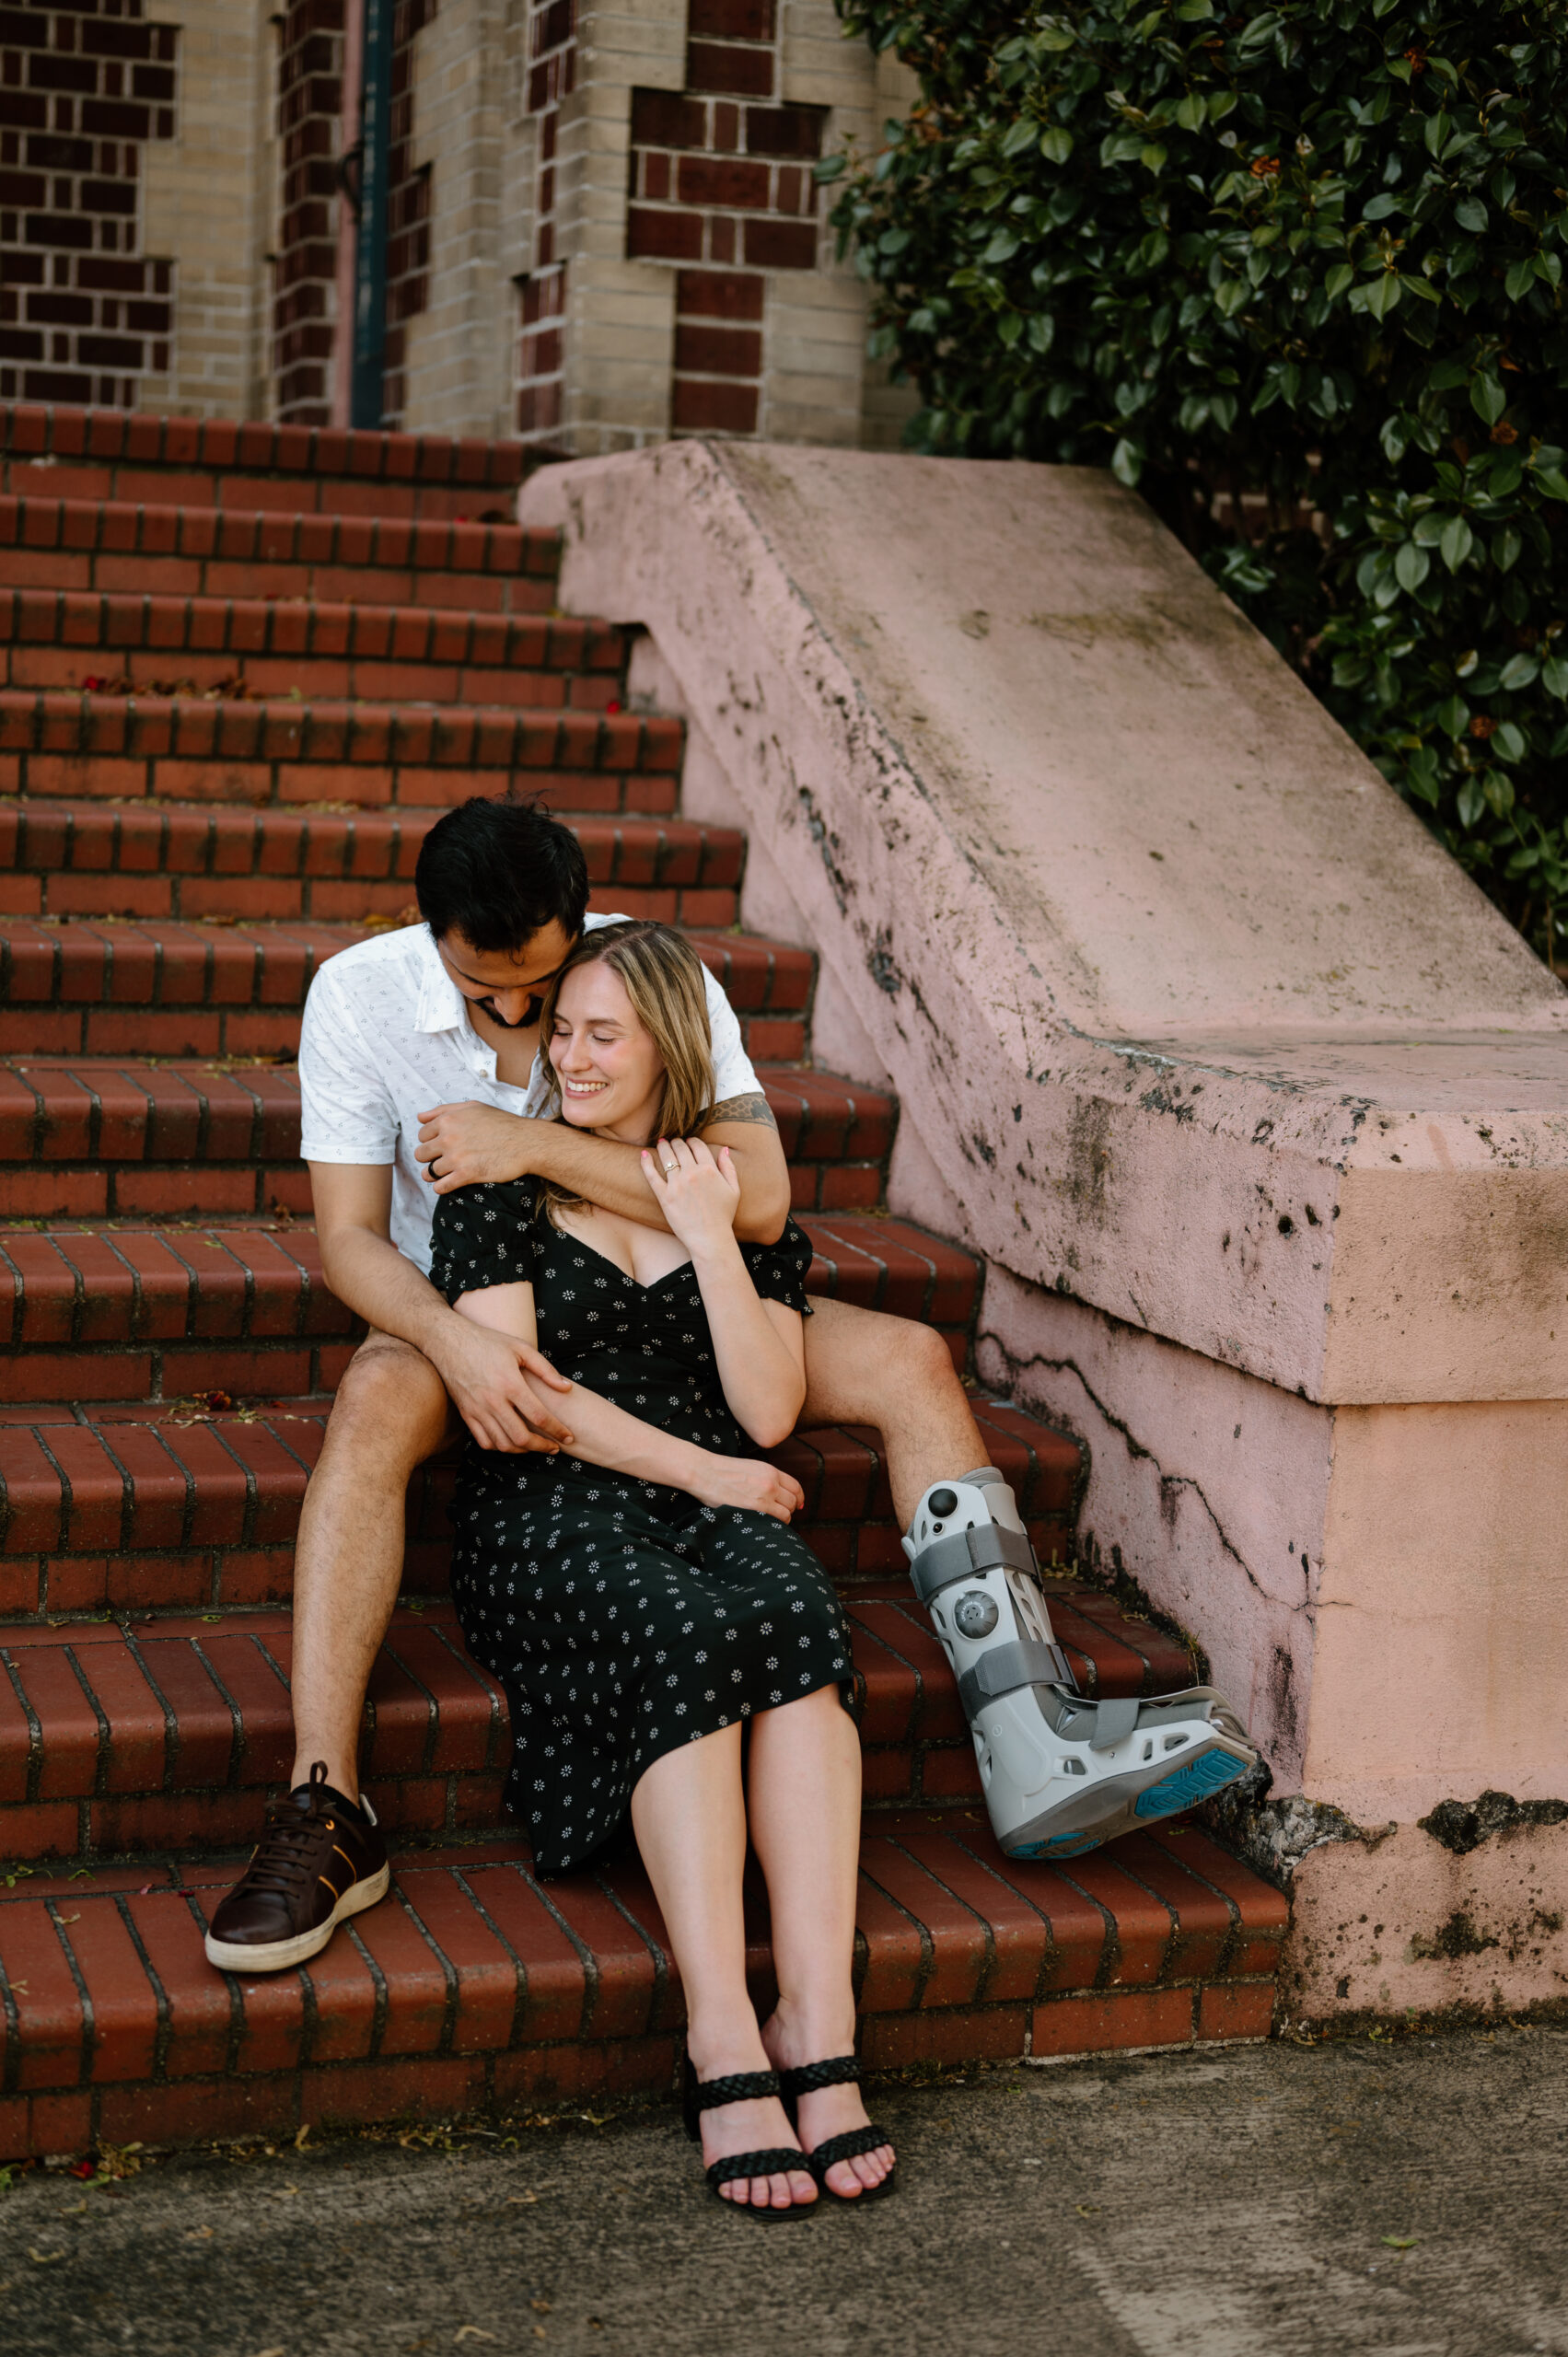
(639, 1597)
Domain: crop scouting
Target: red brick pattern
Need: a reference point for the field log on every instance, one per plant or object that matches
(476, 1989)
(310, 110)
(178, 1730)
(309, 119)
(721, 186)
(227, 648)
(215, 454)
(552, 74)
(199, 861)
(156, 747)
(114, 546)
(87, 976)
(409, 197)
(84, 315)
(178, 1139)
(83, 1531)
(142, 1313)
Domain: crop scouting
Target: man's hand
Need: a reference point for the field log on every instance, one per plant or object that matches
(462, 1145)
(483, 1371)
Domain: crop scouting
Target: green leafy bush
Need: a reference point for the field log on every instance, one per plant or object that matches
(1298, 274)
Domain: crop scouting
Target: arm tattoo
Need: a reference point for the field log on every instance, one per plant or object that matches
(753, 1109)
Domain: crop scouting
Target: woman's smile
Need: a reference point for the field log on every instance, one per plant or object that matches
(607, 1068)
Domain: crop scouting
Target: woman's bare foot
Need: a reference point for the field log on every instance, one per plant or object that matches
(751, 2127)
(829, 2111)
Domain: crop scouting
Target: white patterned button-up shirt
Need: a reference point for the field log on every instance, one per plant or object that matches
(387, 1036)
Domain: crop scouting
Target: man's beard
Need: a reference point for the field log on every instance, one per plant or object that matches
(525, 1021)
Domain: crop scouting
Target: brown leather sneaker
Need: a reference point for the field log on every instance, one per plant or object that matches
(320, 1859)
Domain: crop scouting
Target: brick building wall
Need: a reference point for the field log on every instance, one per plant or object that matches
(676, 272)
(603, 225)
(552, 62)
(409, 208)
(86, 315)
(310, 62)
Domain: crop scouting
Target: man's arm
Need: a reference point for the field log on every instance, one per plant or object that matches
(482, 1370)
(461, 1143)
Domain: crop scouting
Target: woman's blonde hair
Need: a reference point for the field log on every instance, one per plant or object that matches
(663, 977)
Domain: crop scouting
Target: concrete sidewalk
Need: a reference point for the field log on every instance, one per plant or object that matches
(1319, 2202)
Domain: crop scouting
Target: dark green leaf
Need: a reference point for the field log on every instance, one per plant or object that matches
(1411, 566)
(1488, 399)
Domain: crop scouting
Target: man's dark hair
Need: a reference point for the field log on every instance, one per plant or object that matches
(497, 872)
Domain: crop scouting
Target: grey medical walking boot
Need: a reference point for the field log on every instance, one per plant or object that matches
(1061, 1772)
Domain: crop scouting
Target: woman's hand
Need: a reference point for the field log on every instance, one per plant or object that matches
(747, 1483)
(698, 1196)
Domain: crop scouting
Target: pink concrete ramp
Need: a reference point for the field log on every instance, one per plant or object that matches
(1256, 1109)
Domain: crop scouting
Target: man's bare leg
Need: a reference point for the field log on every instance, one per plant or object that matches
(391, 1413)
(863, 1367)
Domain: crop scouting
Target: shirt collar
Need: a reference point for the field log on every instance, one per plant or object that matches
(442, 1006)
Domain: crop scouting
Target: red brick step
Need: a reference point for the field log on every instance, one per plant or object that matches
(284, 753)
(102, 454)
(172, 1733)
(476, 1988)
(164, 988)
(150, 1314)
(63, 639)
(90, 1140)
(377, 560)
(127, 1507)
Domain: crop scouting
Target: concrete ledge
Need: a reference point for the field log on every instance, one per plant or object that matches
(1187, 1007)
(1256, 1107)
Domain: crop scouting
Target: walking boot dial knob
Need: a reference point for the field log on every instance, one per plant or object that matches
(974, 1615)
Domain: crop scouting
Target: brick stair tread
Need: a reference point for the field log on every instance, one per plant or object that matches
(155, 857)
(170, 962)
(92, 1286)
(477, 1987)
(332, 735)
(33, 525)
(147, 1313)
(64, 639)
(128, 1506)
(30, 432)
(121, 1736)
(56, 1110)
(232, 841)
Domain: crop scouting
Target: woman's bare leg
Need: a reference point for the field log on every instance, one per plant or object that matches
(688, 1814)
(805, 1812)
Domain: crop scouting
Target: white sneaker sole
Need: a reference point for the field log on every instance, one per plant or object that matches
(234, 1956)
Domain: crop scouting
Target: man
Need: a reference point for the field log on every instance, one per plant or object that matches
(419, 1072)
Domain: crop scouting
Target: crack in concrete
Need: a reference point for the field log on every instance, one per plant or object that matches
(1169, 1482)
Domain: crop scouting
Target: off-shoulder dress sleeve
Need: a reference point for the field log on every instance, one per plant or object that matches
(483, 1236)
(778, 1270)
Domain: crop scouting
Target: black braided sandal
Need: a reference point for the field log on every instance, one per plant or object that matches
(743, 2086)
(841, 2070)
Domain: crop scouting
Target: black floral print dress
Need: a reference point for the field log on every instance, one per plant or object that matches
(622, 1617)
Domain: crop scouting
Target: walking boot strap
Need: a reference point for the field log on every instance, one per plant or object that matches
(964, 1554)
